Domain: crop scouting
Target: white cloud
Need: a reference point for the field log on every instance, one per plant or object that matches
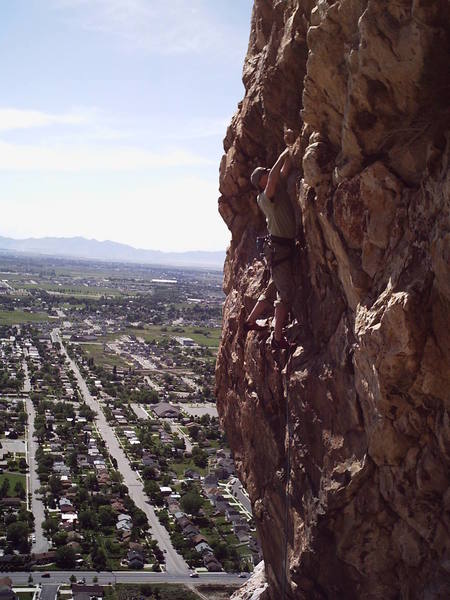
(156, 26)
(91, 158)
(14, 118)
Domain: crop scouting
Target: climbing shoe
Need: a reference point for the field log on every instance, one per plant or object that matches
(281, 344)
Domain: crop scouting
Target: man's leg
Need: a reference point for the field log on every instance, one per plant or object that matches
(260, 308)
(263, 305)
(283, 279)
(281, 315)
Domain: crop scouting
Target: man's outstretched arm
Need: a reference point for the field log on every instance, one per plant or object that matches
(274, 174)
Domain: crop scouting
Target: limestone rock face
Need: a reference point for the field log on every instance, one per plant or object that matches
(344, 444)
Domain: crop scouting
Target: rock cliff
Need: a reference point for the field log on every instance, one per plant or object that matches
(344, 444)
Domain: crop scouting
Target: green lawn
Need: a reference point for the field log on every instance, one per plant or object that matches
(180, 468)
(165, 591)
(203, 336)
(13, 317)
(25, 595)
(74, 290)
(102, 358)
(13, 478)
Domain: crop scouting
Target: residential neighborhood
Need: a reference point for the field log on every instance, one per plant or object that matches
(112, 457)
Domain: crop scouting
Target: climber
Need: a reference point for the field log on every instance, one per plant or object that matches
(279, 245)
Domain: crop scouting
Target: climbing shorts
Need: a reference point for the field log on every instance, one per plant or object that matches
(279, 257)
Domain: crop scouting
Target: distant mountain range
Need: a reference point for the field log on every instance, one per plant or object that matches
(79, 247)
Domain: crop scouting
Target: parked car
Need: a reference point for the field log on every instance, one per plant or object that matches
(193, 575)
(46, 575)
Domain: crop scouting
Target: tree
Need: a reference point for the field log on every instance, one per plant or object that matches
(140, 519)
(19, 490)
(65, 557)
(87, 519)
(50, 526)
(149, 473)
(152, 489)
(194, 431)
(17, 535)
(60, 538)
(199, 457)
(191, 502)
(99, 558)
(106, 516)
(55, 485)
(4, 488)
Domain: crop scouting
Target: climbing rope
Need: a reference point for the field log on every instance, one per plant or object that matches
(287, 475)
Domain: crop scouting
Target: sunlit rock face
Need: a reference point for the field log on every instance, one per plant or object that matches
(358, 507)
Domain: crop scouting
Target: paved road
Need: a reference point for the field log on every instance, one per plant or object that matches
(175, 428)
(37, 507)
(198, 410)
(139, 411)
(240, 494)
(152, 384)
(104, 577)
(174, 562)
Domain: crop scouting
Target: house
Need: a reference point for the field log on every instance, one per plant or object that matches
(43, 558)
(124, 523)
(124, 517)
(135, 559)
(190, 530)
(242, 536)
(149, 461)
(210, 480)
(191, 474)
(198, 539)
(182, 520)
(211, 562)
(6, 593)
(203, 547)
(173, 506)
(87, 592)
(69, 517)
(117, 505)
(164, 410)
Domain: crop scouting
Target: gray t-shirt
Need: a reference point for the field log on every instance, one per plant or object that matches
(280, 216)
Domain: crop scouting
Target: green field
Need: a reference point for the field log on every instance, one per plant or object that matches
(13, 478)
(180, 467)
(13, 317)
(25, 595)
(73, 290)
(102, 358)
(164, 591)
(203, 336)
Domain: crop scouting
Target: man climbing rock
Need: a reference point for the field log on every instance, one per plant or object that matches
(279, 245)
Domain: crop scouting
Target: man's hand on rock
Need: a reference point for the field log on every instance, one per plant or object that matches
(289, 137)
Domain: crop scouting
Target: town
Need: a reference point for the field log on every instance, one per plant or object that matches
(112, 459)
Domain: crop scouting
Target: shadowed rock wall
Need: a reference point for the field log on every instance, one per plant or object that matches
(354, 497)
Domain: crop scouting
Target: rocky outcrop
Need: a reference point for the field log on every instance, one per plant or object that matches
(344, 444)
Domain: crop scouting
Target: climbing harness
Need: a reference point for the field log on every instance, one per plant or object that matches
(287, 477)
(271, 250)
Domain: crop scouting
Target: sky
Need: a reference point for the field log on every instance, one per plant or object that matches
(112, 116)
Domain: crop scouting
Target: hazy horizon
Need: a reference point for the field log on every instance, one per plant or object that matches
(112, 119)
